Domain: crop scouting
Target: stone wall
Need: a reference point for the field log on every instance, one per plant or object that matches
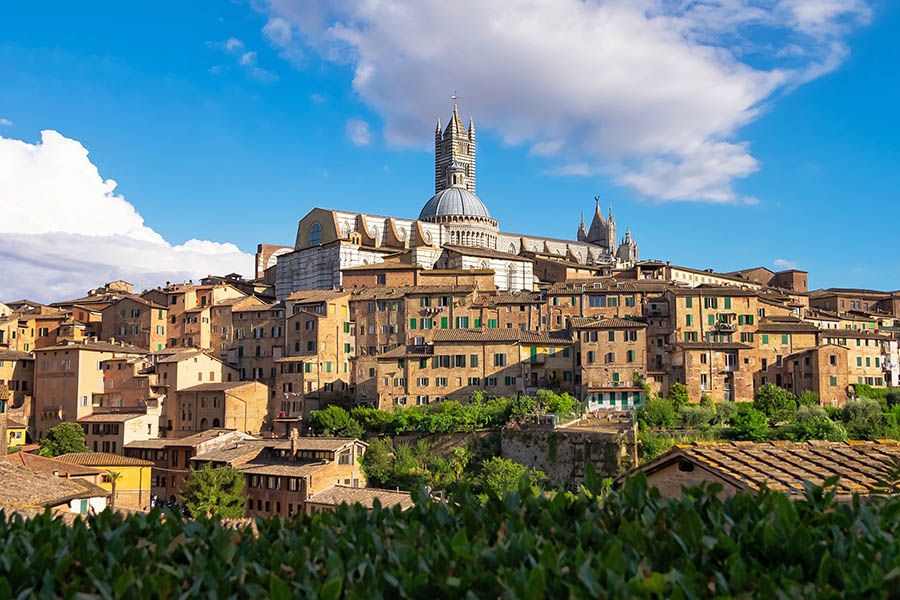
(563, 454)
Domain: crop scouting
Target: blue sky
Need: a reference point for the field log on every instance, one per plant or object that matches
(235, 141)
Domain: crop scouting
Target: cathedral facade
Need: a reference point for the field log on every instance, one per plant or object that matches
(454, 230)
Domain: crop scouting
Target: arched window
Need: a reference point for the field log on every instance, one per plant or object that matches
(315, 234)
(203, 423)
(216, 423)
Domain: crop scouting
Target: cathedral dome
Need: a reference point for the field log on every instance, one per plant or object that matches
(454, 201)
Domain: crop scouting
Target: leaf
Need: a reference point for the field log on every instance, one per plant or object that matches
(279, 589)
(331, 589)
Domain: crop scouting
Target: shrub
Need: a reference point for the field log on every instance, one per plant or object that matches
(654, 444)
(632, 543)
(808, 398)
(678, 395)
(724, 412)
(749, 424)
(811, 423)
(335, 421)
(501, 476)
(696, 416)
(657, 412)
(63, 439)
(776, 403)
(371, 419)
(864, 419)
(707, 401)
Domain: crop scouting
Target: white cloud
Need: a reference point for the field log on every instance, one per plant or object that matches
(781, 263)
(5, 122)
(65, 229)
(246, 59)
(358, 132)
(652, 92)
(234, 45)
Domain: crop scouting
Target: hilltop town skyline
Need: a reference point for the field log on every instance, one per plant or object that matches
(258, 112)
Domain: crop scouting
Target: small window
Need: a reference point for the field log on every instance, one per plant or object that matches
(315, 234)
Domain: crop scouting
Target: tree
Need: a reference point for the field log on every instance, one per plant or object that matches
(63, 439)
(657, 412)
(776, 403)
(335, 421)
(501, 476)
(214, 492)
(114, 477)
(807, 398)
(749, 424)
(678, 395)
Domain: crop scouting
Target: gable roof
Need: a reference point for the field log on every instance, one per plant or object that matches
(599, 323)
(342, 494)
(786, 466)
(34, 489)
(102, 459)
(48, 466)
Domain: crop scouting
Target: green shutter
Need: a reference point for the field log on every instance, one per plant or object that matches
(688, 302)
(443, 322)
(477, 323)
(727, 302)
(784, 338)
(412, 323)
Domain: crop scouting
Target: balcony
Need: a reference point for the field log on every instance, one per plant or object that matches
(725, 326)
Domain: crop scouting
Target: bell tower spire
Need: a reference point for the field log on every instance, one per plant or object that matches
(455, 144)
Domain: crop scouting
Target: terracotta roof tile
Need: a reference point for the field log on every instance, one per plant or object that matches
(788, 465)
(340, 494)
(102, 459)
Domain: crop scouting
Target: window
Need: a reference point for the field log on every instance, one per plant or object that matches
(473, 360)
(765, 339)
(590, 356)
(500, 360)
(689, 320)
(315, 234)
(833, 381)
(509, 380)
(689, 302)
(629, 356)
(784, 338)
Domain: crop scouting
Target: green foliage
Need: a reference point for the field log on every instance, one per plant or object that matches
(371, 419)
(555, 403)
(630, 543)
(654, 444)
(335, 421)
(501, 476)
(216, 492)
(867, 391)
(678, 395)
(749, 424)
(776, 403)
(812, 423)
(657, 413)
(694, 415)
(724, 412)
(707, 401)
(865, 420)
(63, 439)
(808, 398)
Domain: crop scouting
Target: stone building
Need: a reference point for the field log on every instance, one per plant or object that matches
(135, 321)
(610, 361)
(454, 230)
(281, 475)
(240, 405)
(66, 378)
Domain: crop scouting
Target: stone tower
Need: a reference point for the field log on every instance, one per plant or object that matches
(455, 144)
(611, 232)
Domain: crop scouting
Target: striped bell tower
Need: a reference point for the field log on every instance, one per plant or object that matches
(456, 143)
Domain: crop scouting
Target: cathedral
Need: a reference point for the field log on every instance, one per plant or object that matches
(454, 230)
